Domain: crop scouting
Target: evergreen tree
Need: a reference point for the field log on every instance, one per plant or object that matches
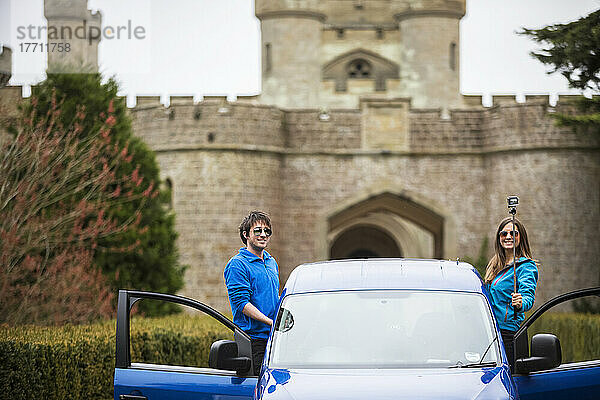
(145, 259)
(573, 50)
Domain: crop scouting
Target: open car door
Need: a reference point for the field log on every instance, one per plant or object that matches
(228, 375)
(539, 370)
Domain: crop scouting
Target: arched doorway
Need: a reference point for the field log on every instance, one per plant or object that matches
(386, 225)
(364, 242)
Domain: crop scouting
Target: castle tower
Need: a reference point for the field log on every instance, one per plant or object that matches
(291, 41)
(330, 53)
(430, 50)
(72, 26)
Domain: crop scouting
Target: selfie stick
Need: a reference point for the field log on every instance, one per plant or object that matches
(513, 201)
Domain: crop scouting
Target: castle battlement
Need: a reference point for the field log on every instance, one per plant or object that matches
(66, 9)
(470, 101)
(214, 98)
(94, 16)
(142, 101)
(181, 100)
(537, 98)
(511, 99)
(215, 122)
(246, 125)
(431, 8)
(344, 14)
(297, 8)
(504, 99)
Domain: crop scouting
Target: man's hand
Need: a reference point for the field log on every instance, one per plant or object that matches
(517, 301)
(251, 311)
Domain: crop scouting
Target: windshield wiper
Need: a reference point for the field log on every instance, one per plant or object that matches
(479, 363)
(474, 365)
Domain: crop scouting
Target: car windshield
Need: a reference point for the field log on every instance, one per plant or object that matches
(383, 329)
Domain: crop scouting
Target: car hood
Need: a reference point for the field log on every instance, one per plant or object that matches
(461, 383)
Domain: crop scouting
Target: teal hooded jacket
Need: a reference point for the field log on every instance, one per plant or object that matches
(500, 290)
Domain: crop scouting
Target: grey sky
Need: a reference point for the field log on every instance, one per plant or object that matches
(207, 47)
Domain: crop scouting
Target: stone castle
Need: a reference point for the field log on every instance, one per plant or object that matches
(361, 145)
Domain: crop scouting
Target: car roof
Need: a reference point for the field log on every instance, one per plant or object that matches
(383, 273)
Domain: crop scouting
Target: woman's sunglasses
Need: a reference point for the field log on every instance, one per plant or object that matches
(258, 231)
(505, 233)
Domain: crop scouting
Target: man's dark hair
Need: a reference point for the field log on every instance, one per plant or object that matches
(252, 218)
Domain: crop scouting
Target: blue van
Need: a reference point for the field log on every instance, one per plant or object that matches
(368, 329)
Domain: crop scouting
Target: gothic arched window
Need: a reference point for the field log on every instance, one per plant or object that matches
(360, 64)
(359, 68)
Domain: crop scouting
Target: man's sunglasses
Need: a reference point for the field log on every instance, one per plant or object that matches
(258, 231)
(505, 233)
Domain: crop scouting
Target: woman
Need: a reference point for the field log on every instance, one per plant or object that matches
(499, 278)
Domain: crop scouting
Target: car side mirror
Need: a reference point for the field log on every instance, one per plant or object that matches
(224, 355)
(545, 354)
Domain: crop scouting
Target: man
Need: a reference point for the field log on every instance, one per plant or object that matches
(252, 280)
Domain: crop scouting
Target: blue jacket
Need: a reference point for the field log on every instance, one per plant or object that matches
(252, 280)
(501, 288)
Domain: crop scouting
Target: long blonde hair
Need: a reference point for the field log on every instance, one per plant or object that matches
(498, 262)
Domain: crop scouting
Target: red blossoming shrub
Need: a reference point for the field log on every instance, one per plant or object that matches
(57, 190)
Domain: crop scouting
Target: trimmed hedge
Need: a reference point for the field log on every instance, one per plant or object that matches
(579, 334)
(77, 362)
(180, 340)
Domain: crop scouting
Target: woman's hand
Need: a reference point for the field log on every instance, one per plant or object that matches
(517, 301)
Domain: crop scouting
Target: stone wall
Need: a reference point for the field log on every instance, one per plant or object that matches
(431, 78)
(212, 192)
(307, 133)
(461, 132)
(337, 178)
(291, 72)
(213, 122)
(559, 193)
